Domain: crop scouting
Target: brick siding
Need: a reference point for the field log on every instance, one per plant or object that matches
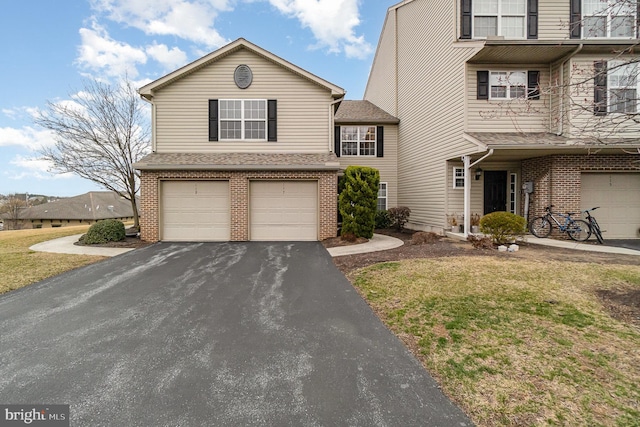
(239, 193)
(557, 178)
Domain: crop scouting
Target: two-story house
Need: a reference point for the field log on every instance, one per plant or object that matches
(512, 105)
(247, 146)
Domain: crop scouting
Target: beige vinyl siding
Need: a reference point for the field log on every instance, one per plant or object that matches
(506, 115)
(455, 196)
(387, 165)
(553, 19)
(181, 110)
(431, 107)
(381, 87)
(583, 123)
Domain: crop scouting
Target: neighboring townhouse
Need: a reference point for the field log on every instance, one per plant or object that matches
(87, 208)
(243, 149)
(512, 105)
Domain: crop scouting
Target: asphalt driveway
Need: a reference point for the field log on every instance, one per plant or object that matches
(212, 334)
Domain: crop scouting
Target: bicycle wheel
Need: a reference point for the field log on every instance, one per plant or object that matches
(579, 230)
(595, 228)
(540, 227)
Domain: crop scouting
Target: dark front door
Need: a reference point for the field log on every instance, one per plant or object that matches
(495, 191)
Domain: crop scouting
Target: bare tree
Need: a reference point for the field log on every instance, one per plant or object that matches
(595, 97)
(10, 211)
(99, 135)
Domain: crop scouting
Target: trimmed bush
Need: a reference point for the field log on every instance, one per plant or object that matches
(399, 216)
(108, 230)
(480, 242)
(424, 237)
(358, 201)
(503, 227)
(383, 220)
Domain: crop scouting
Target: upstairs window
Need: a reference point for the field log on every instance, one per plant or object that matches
(622, 82)
(358, 140)
(507, 84)
(499, 18)
(243, 119)
(613, 18)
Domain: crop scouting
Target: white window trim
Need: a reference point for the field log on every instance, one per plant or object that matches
(513, 192)
(456, 177)
(243, 120)
(611, 65)
(498, 18)
(606, 13)
(375, 142)
(509, 97)
(386, 197)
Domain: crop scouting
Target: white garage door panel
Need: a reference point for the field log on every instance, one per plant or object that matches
(284, 210)
(195, 211)
(618, 195)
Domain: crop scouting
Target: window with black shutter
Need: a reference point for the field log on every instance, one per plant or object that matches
(600, 88)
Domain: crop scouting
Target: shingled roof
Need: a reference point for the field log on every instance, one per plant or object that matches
(93, 206)
(355, 112)
(239, 161)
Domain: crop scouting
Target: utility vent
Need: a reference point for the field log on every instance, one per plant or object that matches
(110, 207)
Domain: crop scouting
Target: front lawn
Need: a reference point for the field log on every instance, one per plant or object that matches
(20, 266)
(515, 341)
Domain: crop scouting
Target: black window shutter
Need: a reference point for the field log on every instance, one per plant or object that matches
(600, 89)
(380, 141)
(575, 18)
(533, 84)
(272, 120)
(465, 17)
(213, 120)
(532, 19)
(483, 84)
(336, 140)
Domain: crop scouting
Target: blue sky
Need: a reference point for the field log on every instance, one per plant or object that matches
(49, 47)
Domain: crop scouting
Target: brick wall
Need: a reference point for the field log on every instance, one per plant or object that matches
(557, 178)
(239, 193)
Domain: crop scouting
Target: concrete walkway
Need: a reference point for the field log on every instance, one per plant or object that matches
(65, 245)
(567, 244)
(379, 242)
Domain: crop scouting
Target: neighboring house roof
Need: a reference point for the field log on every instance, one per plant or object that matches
(362, 112)
(239, 161)
(147, 90)
(94, 205)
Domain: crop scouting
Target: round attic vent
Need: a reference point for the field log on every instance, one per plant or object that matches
(243, 76)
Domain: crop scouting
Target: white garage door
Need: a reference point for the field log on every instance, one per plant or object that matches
(618, 195)
(284, 210)
(195, 211)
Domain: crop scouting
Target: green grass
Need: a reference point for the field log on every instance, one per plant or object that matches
(516, 342)
(20, 266)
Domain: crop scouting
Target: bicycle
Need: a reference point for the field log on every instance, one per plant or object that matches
(577, 229)
(595, 228)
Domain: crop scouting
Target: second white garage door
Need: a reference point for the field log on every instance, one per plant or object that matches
(284, 210)
(618, 195)
(195, 211)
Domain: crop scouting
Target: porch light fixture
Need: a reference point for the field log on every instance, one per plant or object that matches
(478, 174)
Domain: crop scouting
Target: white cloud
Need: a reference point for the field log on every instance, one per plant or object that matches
(35, 168)
(100, 53)
(332, 23)
(168, 58)
(189, 20)
(27, 137)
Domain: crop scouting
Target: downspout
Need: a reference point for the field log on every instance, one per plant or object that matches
(562, 88)
(467, 188)
(331, 123)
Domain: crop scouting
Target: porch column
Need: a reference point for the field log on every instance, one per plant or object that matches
(467, 194)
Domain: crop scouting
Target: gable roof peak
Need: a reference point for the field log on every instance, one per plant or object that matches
(241, 43)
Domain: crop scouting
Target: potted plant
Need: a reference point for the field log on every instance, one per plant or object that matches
(475, 223)
(453, 223)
